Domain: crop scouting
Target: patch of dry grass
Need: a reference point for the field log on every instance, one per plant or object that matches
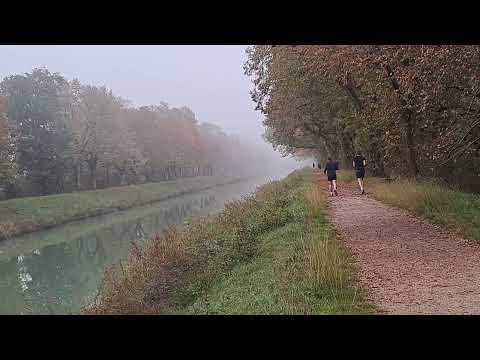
(173, 268)
(457, 210)
(144, 283)
(273, 252)
(327, 262)
(7, 229)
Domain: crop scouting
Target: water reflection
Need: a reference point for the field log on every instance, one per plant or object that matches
(56, 271)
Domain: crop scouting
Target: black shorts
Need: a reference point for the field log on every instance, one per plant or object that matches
(360, 173)
(332, 177)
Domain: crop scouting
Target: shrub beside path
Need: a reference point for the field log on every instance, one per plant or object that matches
(405, 264)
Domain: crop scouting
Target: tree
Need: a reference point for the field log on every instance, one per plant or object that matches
(36, 110)
(412, 110)
(107, 140)
(302, 110)
(125, 156)
(60, 135)
(7, 147)
(80, 128)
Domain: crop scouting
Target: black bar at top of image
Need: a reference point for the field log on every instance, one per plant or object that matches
(240, 37)
(248, 26)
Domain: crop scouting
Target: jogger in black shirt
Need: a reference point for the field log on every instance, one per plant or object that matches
(331, 170)
(359, 164)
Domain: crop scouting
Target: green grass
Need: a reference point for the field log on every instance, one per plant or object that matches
(300, 268)
(273, 252)
(346, 175)
(454, 209)
(28, 214)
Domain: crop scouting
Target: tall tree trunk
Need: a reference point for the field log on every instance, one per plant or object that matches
(93, 175)
(79, 175)
(147, 174)
(123, 173)
(60, 183)
(92, 164)
(107, 175)
(351, 90)
(406, 119)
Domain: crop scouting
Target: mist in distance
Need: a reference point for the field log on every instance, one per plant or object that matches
(207, 79)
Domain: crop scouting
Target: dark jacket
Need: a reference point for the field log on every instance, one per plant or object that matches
(331, 168)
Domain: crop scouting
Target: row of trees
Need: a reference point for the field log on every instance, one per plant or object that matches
(412, 110)
(58, 135)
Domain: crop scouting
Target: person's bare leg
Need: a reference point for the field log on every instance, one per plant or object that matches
(335, 186)
(360, 183)
(330, 188)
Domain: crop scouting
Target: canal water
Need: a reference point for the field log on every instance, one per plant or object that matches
(56, 271)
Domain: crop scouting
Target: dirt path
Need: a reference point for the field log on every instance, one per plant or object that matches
(406, 265)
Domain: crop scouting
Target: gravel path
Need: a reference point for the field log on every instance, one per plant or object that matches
(406, 265)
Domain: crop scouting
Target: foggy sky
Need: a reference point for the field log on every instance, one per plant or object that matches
(207, 79)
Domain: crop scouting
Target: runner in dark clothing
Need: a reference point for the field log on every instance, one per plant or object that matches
(331, 170)
(359, 164)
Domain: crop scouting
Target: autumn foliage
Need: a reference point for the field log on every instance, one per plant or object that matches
(59, 136)
(412, 110)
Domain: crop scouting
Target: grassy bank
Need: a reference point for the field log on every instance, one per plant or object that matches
(273, 252)
(19, 216)
(457, 210)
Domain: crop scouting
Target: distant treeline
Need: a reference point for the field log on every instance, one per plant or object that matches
(60, 136)
(414, 111)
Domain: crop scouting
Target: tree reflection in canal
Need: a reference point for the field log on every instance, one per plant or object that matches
(59, 276)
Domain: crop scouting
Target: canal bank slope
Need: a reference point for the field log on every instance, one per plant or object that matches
(24, 215)
(273, 252)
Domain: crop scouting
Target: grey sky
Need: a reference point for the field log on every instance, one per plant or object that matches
(208, 79)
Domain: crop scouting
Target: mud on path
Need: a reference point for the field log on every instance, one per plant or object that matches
(405, 264)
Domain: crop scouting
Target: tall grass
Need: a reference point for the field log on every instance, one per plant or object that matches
(446, 206)
(270, 253)
(328, 268)
(174, 269)
(325, 262)
(145, 282)
(459, 211)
